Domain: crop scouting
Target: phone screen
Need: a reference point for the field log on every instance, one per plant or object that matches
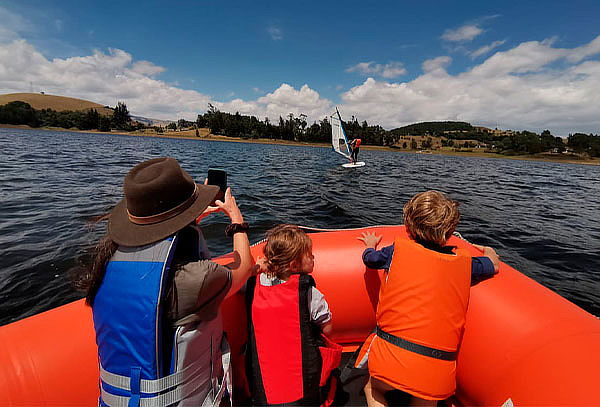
(218, 178)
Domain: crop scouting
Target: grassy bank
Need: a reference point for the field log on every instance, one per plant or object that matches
(205, 136)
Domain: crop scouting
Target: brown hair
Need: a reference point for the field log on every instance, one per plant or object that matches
(88, 275)
(285, 243)
(431, 217)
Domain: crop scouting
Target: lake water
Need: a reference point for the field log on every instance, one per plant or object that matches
(542, 218)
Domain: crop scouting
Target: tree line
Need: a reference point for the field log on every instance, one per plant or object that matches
(291, 128)
(296, 128)
(22, 113)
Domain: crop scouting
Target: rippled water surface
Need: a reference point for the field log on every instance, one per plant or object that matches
(543, 218)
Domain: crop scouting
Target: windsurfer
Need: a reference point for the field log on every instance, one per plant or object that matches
(355, 145)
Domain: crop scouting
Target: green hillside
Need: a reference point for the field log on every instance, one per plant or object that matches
(433, 128)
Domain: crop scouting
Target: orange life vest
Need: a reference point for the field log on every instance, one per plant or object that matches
(420, 320)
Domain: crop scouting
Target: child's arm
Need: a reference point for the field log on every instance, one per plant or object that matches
(319, 310)
(491, 254)
(373, 258)
(484, 267)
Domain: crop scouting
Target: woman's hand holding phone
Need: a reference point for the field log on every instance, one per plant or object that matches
(228, 205)
(209, 209)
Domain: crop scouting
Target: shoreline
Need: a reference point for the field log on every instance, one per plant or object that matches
(190, 135)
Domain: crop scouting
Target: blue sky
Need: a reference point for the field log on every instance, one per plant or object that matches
(513, 64)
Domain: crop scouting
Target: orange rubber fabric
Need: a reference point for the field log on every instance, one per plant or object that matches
(522, 341)
(424, 301)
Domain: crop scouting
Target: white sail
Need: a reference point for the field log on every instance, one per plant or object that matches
(339, 142)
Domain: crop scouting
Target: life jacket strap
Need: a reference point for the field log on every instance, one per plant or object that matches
(161, 400)
(415, 347)
(155, 386)
(151, 386)
(227, 383)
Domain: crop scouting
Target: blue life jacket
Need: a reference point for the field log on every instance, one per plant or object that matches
(144, 361)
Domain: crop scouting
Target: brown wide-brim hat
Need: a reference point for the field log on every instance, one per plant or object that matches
(160, 199)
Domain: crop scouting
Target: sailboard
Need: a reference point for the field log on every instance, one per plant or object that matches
(339, 141)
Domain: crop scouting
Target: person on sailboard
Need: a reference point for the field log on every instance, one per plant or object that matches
(156, 295)
(422, 306)
(355, 145)
(290, 360)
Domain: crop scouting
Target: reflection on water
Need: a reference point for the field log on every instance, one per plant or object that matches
(541, 217)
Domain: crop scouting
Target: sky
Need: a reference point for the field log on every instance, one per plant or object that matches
(520, 65)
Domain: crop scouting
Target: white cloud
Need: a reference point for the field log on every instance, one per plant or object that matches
(284, 100)
(436, 64)
(520, 88)
(388, 71)
(275, 33)
(587, 50)
(147, 68)
(462, 34)
(101, 77)
(114, 76)
(533, 86)
(486, 49)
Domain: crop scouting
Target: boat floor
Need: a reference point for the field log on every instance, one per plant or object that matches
(351, 383)
(350, 391)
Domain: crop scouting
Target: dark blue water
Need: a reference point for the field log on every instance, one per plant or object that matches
(543, 218)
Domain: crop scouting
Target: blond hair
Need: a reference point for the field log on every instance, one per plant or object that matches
(431, 217)
(285, 243)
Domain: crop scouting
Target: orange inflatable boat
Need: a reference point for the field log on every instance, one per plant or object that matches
(523, 343)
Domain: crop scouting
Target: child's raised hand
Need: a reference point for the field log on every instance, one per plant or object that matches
(491, 254)
(371, 240)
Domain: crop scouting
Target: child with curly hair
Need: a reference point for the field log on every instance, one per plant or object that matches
(290, 360)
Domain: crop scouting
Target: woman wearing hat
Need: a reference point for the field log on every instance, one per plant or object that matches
(155, 295)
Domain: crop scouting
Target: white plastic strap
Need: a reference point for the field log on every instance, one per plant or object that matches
(151, 386)
(227, 379)
(162, 400)
(226, 382)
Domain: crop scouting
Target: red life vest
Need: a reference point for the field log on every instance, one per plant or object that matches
(288, 359)
(420, 320)
(357, 143)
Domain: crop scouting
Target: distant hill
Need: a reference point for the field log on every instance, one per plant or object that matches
(433, 128)
(151, 122)
(59, 103)
(62, 103)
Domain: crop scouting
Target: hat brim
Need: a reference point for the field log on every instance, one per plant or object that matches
(126, 233)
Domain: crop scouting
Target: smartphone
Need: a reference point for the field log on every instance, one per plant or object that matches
(219, 178)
